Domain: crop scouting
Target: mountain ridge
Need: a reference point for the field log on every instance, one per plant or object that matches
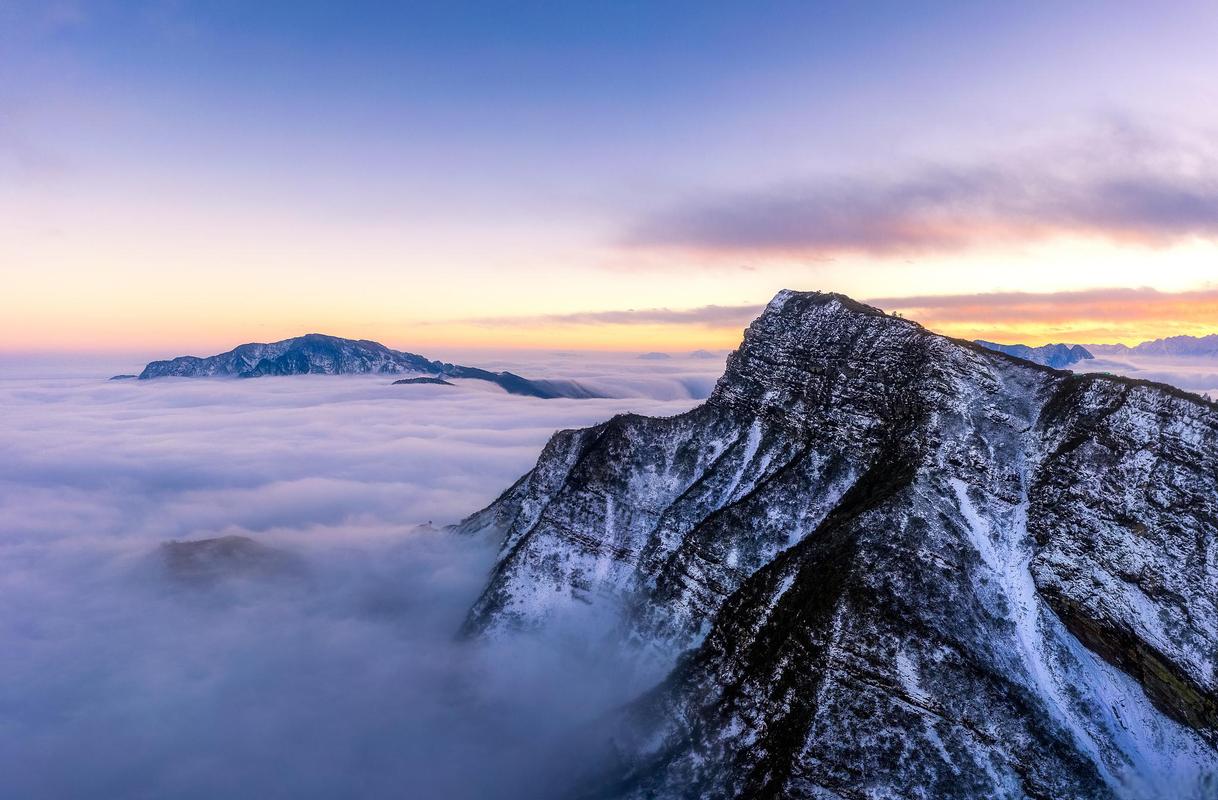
(1058, 356)
(882, 562)
(1187, 346)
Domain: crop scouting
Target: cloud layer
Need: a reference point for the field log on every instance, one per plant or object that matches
(713, 316)
(1112, 304)
(1101, 315)
(1121, 184)
(115, 682)
(345, 682)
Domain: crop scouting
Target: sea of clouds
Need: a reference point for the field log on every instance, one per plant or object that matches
(347, 680)
(118, 681)
(657, 376)
(1191, 373)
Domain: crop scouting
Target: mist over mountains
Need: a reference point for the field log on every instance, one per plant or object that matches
(600, 515)
(1188, 362)
(1185, 361)
(570, 375)
(1190, 346)
(243, 587)
(331, 673)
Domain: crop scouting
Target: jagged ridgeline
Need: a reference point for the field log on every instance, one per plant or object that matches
(894, 565)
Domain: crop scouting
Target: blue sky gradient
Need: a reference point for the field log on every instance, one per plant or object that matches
(541, 150)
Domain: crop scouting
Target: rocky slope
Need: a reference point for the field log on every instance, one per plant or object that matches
(1058, 356)
(317, 353)
(883, 563)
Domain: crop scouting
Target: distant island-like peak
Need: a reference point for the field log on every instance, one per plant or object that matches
(320, 354)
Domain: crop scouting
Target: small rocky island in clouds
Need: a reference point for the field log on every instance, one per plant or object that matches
(205, 562)
(422, 381)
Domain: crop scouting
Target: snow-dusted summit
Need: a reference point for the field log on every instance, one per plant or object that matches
(880, 563)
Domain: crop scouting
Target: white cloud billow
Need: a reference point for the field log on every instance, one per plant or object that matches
(347, 682)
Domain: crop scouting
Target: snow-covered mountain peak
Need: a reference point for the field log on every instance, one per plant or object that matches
(895, 564)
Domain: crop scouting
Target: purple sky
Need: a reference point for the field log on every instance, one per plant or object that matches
(198, 174)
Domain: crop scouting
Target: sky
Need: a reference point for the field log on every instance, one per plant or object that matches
(184, 176)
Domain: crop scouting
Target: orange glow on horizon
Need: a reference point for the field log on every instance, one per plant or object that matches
(426, 338)
(433, 338)
(210, 304)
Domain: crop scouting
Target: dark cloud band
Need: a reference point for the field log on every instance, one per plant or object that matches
(1122, 184)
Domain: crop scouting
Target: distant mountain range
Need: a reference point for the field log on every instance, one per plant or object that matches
(1064, 355)
(1058, 356)
(1194, 346)
(318, 354)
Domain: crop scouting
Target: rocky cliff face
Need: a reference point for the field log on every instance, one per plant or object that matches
(883, 563)
(318, 354)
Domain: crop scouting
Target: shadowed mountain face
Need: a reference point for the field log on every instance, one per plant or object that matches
(1058, 356)
(318, 354)
(895, 565)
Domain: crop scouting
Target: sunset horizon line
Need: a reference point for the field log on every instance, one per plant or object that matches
(1103, 316)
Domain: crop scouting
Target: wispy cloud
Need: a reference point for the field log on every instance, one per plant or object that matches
(712, 316)
(1106, 304)
(1104, 314)
(1123, 183)
(1109, 304)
